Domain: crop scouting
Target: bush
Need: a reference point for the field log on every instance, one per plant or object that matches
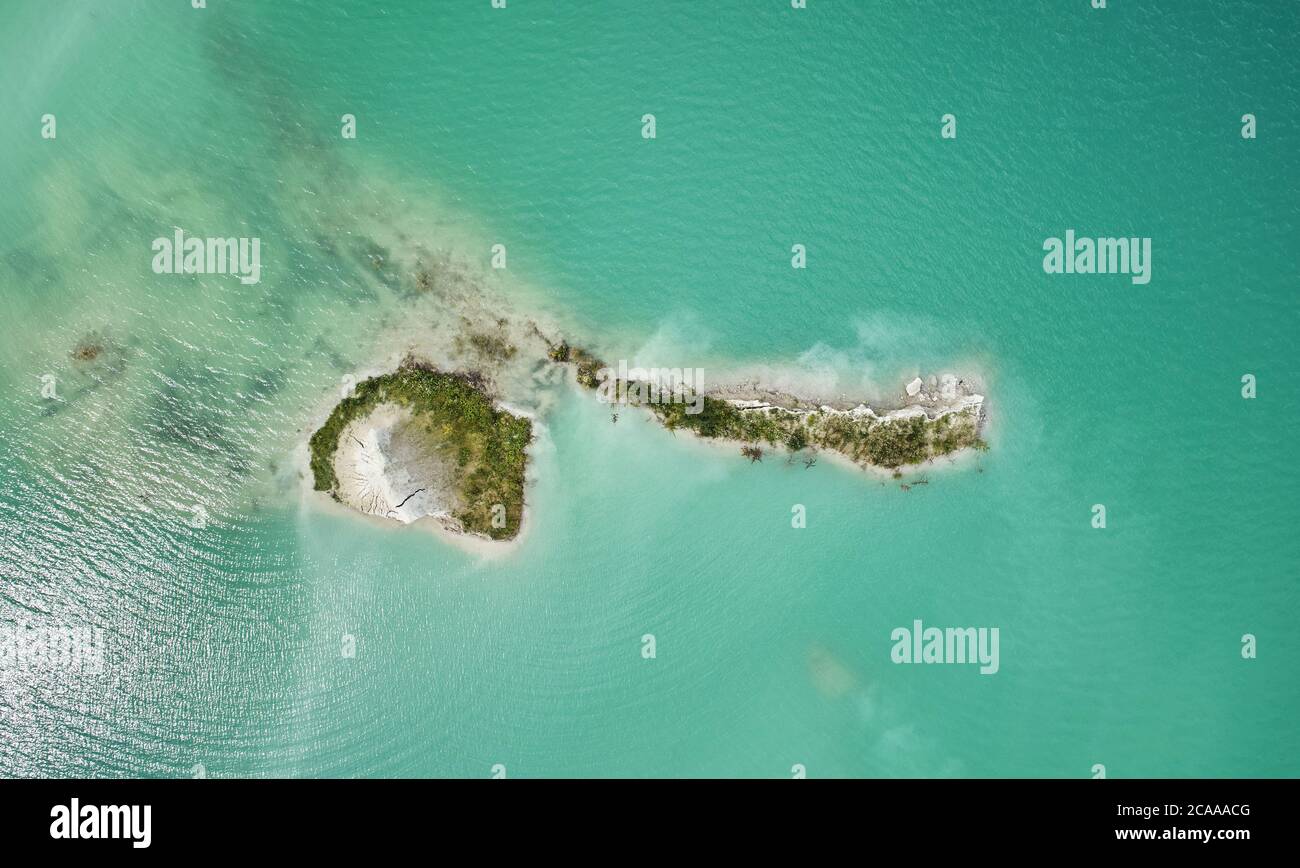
(797, 440)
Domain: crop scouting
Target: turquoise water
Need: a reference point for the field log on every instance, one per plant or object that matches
(775, 126)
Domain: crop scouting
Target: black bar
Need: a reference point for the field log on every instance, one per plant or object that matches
(367, 817)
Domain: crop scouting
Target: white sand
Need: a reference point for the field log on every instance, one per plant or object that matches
(384, 468)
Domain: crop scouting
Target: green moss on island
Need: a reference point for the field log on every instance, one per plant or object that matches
(889, 443)
(483, 445)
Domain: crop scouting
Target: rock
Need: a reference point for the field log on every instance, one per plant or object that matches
(914, 387)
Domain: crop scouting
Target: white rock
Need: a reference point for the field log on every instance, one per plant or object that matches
(914, 387)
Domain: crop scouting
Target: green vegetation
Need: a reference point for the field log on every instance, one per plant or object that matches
(585, 363)
(486, 446)
(891, 443)
(797, 440)
(864, 439)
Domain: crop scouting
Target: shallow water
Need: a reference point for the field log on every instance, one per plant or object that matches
(223, 642)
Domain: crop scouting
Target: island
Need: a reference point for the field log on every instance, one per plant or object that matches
(420, 442)
(944, 419)
(430, 442)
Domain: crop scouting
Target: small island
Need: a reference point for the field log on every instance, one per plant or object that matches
(934, 423)
(420, 442)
